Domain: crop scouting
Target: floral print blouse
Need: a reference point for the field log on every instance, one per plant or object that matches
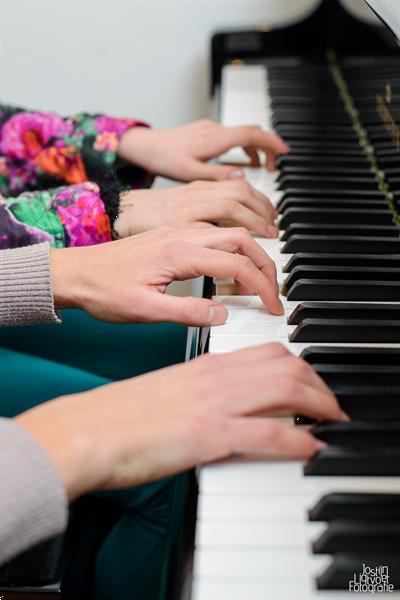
(59, 177)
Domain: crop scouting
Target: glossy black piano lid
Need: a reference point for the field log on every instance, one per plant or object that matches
(329, 26)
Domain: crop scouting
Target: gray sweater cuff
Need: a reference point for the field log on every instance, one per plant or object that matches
(33, 502)
(25, 286)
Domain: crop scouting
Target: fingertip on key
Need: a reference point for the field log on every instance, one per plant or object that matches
(217, 315)
(272, 231)
(344, 416)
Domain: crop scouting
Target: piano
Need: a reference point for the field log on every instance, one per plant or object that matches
(284, 530)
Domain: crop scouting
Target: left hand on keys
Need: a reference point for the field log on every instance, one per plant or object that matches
(183, 153)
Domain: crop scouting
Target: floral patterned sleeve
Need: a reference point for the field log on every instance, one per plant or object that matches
(71, 215)
(40, 151)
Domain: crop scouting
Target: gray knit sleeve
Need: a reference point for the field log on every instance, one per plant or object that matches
(33, 502)
(25, 286)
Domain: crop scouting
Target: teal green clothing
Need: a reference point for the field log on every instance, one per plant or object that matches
(105, 349)
(136, 556)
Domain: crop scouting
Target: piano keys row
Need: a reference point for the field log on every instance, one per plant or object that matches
(283, 530)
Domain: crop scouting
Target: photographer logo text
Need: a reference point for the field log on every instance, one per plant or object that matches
(371, 579)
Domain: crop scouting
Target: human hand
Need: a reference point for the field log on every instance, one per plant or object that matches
(126, 280)
(168, 421)
(183, 153)
(197, 203)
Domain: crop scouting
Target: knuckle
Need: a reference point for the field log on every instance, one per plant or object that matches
(194, 184)
(290, 390)
(243, 263)
(243, 184)
(243, 234)
(229, 207)
(207, 122)
(297, 367)
(273, 432)
(277, 348)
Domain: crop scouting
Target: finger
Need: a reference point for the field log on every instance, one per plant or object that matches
(246, 194)
(233, 362)
(253, 155)
(253, 136)
(265, 200)
(234, 212)
(295, 367)
(225, 265)
(245, 217)
(283, 393)
(255, 434)
(237, 240)
(195, 169)
(188, 310)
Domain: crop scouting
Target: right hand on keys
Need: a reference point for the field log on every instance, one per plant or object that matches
(125, 281)
(197, 204)
(165, 422)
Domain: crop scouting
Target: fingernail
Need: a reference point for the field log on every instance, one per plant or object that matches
(236, 174)
(344, 416)
(216, 315)
(320, 445)
(272, 230)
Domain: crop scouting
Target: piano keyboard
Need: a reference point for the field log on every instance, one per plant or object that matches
(276, 530)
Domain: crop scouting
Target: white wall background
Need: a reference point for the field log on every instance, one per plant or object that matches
(130, 58)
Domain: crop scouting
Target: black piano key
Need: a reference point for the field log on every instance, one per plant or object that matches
(358, 537)
(341, 244)
(332, 194)
(352, 356)
(349, 505)
(344, 462)
(344, 289)
(346, 216)
(330, 134)
(343, 310)
(369, 402)
(334, 150)
(341, 272)
(363, 330)
(345, 567)
(390, 261)
(339, 148)
(340, 229)
(290, 202)
(317, 182)
(315, 170)
(294, 159)
(360, 434)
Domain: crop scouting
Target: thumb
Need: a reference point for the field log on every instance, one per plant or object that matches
(187, 310)
(204, 170)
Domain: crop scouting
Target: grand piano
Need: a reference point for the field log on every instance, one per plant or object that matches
(267, 529)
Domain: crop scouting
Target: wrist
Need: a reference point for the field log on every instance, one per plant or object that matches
(65, 284)
(56, 428)
(135, 146)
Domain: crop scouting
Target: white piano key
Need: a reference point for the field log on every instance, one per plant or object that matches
(225, 505)
(256, 533)
(272, 329)
(263, 564)
(231, 343)
(248, 474)
(253, 589)
(245, 103)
